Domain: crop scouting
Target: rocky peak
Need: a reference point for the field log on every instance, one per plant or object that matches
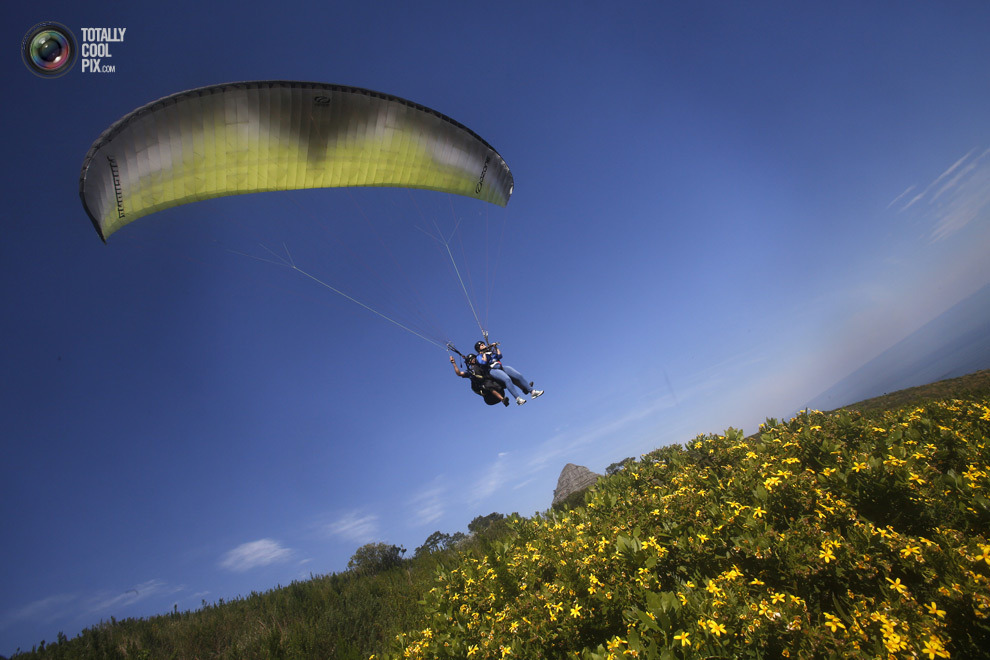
(573, 478)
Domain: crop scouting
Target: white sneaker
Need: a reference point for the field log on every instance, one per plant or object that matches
(535, 393)
(520, 400)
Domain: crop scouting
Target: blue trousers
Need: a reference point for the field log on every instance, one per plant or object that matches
(507, 376)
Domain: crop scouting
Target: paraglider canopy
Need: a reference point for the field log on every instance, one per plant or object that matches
(246, 137)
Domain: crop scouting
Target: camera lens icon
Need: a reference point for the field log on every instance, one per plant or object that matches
(49, 49)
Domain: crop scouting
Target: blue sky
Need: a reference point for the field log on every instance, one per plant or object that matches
(720, 211)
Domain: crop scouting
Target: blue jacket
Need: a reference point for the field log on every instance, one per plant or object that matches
(491, 358)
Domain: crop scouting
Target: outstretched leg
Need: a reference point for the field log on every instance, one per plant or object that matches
(502, 377)
(518, 379)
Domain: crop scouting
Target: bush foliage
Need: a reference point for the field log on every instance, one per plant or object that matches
(832, 534)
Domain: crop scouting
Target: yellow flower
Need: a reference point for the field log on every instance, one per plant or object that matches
(910, 550)
(934, 611)
(758, 512)
(897, 586)
(777, 598)
(576, 611)
(615, 643)
(894, 642)
(716, 628)
(834, 622)
(683, 639)
(934, 647)
(826, 554)
(472, 650)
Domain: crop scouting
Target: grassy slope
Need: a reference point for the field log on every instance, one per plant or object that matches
(694, 551)
(976, 384)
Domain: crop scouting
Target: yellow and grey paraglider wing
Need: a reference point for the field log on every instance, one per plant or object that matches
(262, 136)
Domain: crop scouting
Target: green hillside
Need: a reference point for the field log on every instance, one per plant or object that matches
(976, 384)
(862, 532)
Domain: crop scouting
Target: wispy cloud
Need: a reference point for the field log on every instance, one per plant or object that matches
(428, 504)
(957, 197)
(968, 201)
(563, 445)
(354, 526)
(494, 477)
(947, 173)
(139, 592)
(43, 609)
(901, 196)
(923, 193)
(254, 555)
(521, 484)
(67, 606)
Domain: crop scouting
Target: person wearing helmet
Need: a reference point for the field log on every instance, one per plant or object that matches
(490, 356)
(481, 381)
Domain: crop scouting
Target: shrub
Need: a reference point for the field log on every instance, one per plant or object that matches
(826, 535)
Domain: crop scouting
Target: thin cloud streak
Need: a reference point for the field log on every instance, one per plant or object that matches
(354, 527)
(45, 609)
(917, 198)
(968, 202)
(962, 192)
(947, 172)
(67, 606)
(901, 196)
(254, 555)
(133, 595)
(429, 504)
(496, 476)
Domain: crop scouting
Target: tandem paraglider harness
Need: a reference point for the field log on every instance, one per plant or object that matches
(481, 381)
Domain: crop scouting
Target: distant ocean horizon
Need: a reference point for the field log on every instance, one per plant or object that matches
(953, 344)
